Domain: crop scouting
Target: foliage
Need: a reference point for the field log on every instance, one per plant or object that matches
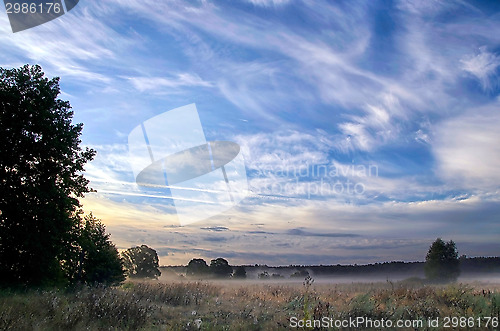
(141, 262)
(197, 267)
(95, 258)
(220, 267)
(442, 263)
(41, 179)
(240, 272)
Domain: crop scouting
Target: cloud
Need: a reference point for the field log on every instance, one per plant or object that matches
(282, 150)
(216, 239)
(300, 232)
(467, 149)
(421, 136)
(68, 45)
(216, 228)
(299, 165)
(258, 88)
(166, 85)
(483, 66)
(268, 3)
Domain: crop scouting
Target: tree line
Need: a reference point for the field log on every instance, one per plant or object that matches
(218, 268)
(442, 264)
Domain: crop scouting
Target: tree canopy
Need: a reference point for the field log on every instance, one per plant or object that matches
(141, 262)
(41, 179)
(197, 267)
(95, 259)
(220, 267)
(442, 263)
(240, 272)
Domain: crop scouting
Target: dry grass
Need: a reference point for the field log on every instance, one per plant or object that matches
(237, 305)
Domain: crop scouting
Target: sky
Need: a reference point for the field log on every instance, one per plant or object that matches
(367, 129)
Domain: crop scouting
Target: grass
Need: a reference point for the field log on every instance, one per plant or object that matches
(238, 305)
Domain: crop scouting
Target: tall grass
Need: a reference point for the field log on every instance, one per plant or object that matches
(238, 306)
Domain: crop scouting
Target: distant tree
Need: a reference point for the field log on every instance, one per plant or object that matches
(220, 267)
(141, 262)
(240, 272)
(442, 263)
(41, 178)
(197, 267)
(95, 259)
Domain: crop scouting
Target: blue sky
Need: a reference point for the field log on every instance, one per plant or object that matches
(401, 98)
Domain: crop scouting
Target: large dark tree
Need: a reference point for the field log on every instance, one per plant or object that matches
(220, 267)
(197, 267)
(41, 179)
(141, 262)
(442, 263)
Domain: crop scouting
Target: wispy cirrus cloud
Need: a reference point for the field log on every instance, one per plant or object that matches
(168, 84)
(483, 66)
(268, 3)
(66, 46)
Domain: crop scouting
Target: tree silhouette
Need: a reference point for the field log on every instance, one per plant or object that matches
(141, 262)
(95, 259)
(197, 267)
(240, 272)
(220, 267)
(442, 263)
(41, 179)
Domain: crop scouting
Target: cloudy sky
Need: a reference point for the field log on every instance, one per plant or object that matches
(367, 128)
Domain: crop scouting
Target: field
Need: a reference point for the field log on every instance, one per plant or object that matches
(247, 305)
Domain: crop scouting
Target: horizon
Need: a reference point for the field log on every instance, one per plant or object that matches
(367, 129)
(328, 265)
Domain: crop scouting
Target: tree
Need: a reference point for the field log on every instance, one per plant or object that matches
(220, 267)
(41, 179)
(442, 263)
(141, 262)
(197, 267)
(95, 259)
(240, 272)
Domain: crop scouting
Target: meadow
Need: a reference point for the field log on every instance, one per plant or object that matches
(247, 305)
